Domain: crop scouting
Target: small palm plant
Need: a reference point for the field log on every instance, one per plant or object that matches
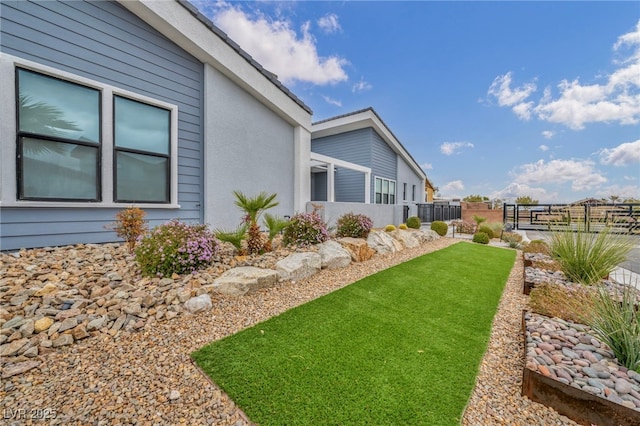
(275, 225)
(235, 237)
(254, 207)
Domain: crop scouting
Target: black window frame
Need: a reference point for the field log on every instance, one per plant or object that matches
(117, 149)
(21, 135)
(413, 193)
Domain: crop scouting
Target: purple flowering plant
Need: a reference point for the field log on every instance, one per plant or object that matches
(176, 247)
(354, 225)
(305, 229)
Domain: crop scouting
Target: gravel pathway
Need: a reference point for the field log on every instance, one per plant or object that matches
(147, 378)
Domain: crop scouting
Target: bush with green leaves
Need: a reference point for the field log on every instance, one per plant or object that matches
(414, 222)
(235, 237)
(616, 321)
(176, 247)
(403, 226)
(587, 257)
(481, 238)
(305, 229)
(439, 227)
(487, 230)
(389, 228)
(354, 225)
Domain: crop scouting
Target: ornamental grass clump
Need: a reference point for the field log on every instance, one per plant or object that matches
(617, 323)
(305, 229)
(176, 248)
(354, 225)
(586, 257)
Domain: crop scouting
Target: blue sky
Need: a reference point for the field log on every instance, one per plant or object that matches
(500, 99)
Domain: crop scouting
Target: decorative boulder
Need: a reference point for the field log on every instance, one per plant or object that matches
(383, 243)
(425, 235)
(198, 304)
(243, 280)
(357, 248)
(297, 266)
(333, 255)
(407, 238)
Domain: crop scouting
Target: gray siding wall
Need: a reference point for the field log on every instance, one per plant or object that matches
(408, 176)
(319, 186)
(354, 147)
(104, 42)
(248, 148)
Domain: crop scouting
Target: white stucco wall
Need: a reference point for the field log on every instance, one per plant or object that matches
(251, 149)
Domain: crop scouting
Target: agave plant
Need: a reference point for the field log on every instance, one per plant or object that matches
(253, 208)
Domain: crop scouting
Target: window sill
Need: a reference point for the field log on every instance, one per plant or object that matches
(80, 205)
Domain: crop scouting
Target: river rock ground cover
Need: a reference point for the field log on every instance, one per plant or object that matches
(145, 376)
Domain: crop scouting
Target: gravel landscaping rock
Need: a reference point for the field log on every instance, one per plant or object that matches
(134, 368)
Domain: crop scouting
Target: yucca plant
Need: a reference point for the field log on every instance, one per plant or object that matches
(589, 257)
(617, 323)
(254, 207)
(275, 225)
(235, 237)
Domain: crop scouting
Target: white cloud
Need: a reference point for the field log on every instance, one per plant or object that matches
(455, 185)
(515, 190)
(617, 99)
(449, 148)
(548, 134)
(581, 174)
(361, 86)
(514, 98)
(329, 23)
(543, 148)
(426, 166)
(279, 48)
(627, 191)
(332, 101)
(622, 155)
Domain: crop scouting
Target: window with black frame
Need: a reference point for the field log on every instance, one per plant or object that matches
(58, 139)
(142, 135)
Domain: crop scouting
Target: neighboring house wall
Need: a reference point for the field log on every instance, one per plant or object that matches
(363, 147)
(354, 147)
(101, 43)
(246, 155)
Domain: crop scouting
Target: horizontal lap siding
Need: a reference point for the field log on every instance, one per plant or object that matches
(354, 147)
(104, 42)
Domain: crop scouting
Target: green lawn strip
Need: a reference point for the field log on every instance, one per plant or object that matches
(402, 346)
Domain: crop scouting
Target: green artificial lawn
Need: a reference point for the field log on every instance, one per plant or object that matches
(400, 347)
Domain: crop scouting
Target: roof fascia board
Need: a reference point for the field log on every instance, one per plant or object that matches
(175, 22)
(362, 120)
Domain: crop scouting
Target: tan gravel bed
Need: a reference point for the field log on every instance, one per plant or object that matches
(496, 398)
(147, 378)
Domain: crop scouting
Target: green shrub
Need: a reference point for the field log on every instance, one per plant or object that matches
(389, 228)
(354, 225)
(588, 257)
(487, 230)
(176, 247)
(481, 238)
(414, 222)
(496, 227)
(403, 226)
(305, 229)
(617, 323)
(235, 237)
(439, 227)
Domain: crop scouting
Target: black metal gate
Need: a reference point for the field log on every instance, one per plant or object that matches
(444, 211)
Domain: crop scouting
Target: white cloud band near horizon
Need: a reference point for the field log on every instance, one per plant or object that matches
(450, 148)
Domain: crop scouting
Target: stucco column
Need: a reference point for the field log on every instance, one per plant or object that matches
(302, 170)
